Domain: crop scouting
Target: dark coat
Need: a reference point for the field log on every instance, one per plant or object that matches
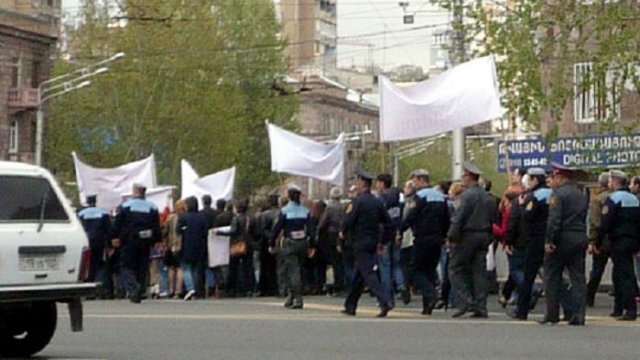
(192, 226)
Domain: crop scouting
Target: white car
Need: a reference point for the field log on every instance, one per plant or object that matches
(44, 258)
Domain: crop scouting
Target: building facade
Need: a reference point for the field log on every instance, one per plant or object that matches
(309, 26)
(28, 35)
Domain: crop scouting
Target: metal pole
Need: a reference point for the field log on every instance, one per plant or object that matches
(39, 132)
(396, 168)
(457, 136)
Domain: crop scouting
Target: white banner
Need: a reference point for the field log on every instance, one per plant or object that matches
(218, 247)
(466, 95)
(297, 155)
(110, 183)
(218, 186)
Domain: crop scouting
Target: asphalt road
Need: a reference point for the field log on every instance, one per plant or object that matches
(261, 328)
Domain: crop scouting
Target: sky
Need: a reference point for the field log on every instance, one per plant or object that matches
(378, 29)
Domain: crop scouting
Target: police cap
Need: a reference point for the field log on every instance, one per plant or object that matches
(470, 168)
(91, 199)
(618, 174)
(363, 175)
(420, 172)
(336, 192)
(293, 188)
(536, 171)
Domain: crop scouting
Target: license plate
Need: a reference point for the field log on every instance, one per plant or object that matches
(39, 263)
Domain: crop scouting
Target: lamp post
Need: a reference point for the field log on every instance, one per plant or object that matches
(64, 84)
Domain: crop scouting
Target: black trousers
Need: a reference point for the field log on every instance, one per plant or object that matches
(241, 265)
(569, 254)
(597, 270)
(468, 271)
(534, 259)
(624, 279)
(425, 259)
(365, 274)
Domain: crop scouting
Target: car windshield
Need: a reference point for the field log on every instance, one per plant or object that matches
(21, 200)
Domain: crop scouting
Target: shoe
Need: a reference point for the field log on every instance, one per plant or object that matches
(547, 321)
(190, 295)
(289, 302)
(515, 316)
(502, 301)
(460, 312)
(627, 317)
(296, 306)
(534, 300)
(440, 304)
(615, 314)
(406, 296)
(479, 315)
(576, 322)
(348, 312)
(384, 310)
(136, 299)
(591, 301)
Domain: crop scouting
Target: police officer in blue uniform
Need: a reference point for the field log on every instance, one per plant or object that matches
(97, 224)
(620, 216)
(294, 223)
(137, 227)
(565, 246)
(429, 222)
(369, 229)
(535, 211)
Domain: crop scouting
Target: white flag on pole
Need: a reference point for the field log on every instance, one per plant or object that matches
(218, 186)
(466, 95)
(295, 154)
(109, 184)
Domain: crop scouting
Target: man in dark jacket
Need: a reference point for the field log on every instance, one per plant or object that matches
(469, 235)
(137, 227)
(193, 228)
(369, 229)
(565, 246)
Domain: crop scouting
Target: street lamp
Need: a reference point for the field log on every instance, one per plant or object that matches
(64, 84)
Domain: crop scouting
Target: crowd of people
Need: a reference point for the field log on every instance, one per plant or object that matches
(431, 239)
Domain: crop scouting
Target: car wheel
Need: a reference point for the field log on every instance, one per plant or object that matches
(31, 330)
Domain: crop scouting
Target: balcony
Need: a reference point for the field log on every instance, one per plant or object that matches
(21, 99)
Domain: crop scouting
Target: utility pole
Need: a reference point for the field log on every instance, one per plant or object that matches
(458, 56)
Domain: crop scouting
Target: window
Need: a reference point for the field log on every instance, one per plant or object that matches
(26, 199)
(595, 99)
(35, 73)
(16, 66)
(13, 137)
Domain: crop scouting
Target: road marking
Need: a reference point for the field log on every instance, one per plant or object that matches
(331, 313)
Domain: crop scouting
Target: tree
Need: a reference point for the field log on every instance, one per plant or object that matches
(538, 42)
(199, 79)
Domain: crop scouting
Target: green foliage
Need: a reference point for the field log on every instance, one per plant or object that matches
(536, 44)
(197, 83)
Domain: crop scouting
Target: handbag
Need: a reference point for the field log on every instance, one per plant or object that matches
(239, 248)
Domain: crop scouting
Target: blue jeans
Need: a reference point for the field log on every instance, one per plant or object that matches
(516, 268)
(190, 275)
(390, 270)
(164, 279)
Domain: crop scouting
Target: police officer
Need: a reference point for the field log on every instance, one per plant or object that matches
(429, 222)
(137, 226)
(294, 223)
(535, 211)
(469, 237)
(600, 254)
(369, 228)
(565, 246)
(97, 224)
(620, 216)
